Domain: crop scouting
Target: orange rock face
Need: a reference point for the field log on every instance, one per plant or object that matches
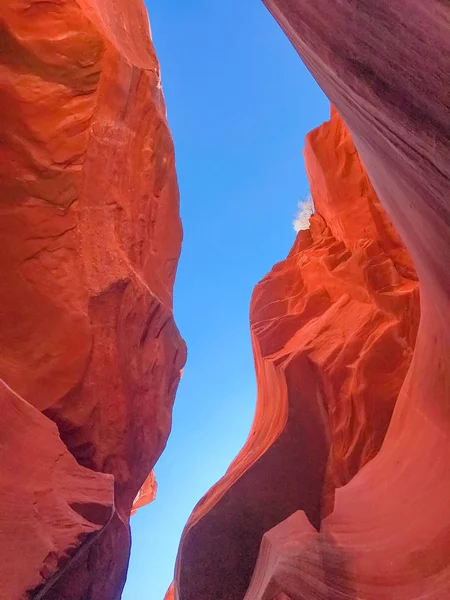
(333, 329)
(170, 594)
(89, 242)
(146, 494)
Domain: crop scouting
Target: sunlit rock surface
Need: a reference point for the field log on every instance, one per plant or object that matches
(146, 494)
(89, 242)
(170, 594)
(333, 329)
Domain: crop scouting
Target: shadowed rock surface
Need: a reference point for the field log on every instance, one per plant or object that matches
(89, 241)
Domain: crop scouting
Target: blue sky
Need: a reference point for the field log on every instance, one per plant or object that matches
(239, 104)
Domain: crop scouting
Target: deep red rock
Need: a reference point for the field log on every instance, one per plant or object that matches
(333, 329)
(89, 241)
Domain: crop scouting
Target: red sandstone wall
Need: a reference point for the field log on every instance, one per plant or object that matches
(333, 329)
(89, 242)
(384, 65)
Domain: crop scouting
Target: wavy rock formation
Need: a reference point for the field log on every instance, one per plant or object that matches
(333, 329)
(384, 66)
(89, 242)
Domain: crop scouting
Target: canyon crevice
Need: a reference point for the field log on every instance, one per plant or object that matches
(342, 489)
(384, 531)
(333, 329)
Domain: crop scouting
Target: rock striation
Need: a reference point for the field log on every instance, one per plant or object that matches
(89, 241)
(333, 330)
(386, 532)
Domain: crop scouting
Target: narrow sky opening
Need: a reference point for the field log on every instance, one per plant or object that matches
(239, 104)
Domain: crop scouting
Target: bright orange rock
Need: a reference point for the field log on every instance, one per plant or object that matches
(333, 329)
(363, 353)
(89, 241)
(170, 594)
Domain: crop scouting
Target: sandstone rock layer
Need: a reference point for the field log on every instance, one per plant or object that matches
(89, 242)
(333, 330)
(384, 66)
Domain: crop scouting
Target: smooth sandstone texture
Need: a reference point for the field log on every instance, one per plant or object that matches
(384, 66)
(333, 330)
(89, 241)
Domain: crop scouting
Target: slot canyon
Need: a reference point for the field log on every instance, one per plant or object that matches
(341, 490)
